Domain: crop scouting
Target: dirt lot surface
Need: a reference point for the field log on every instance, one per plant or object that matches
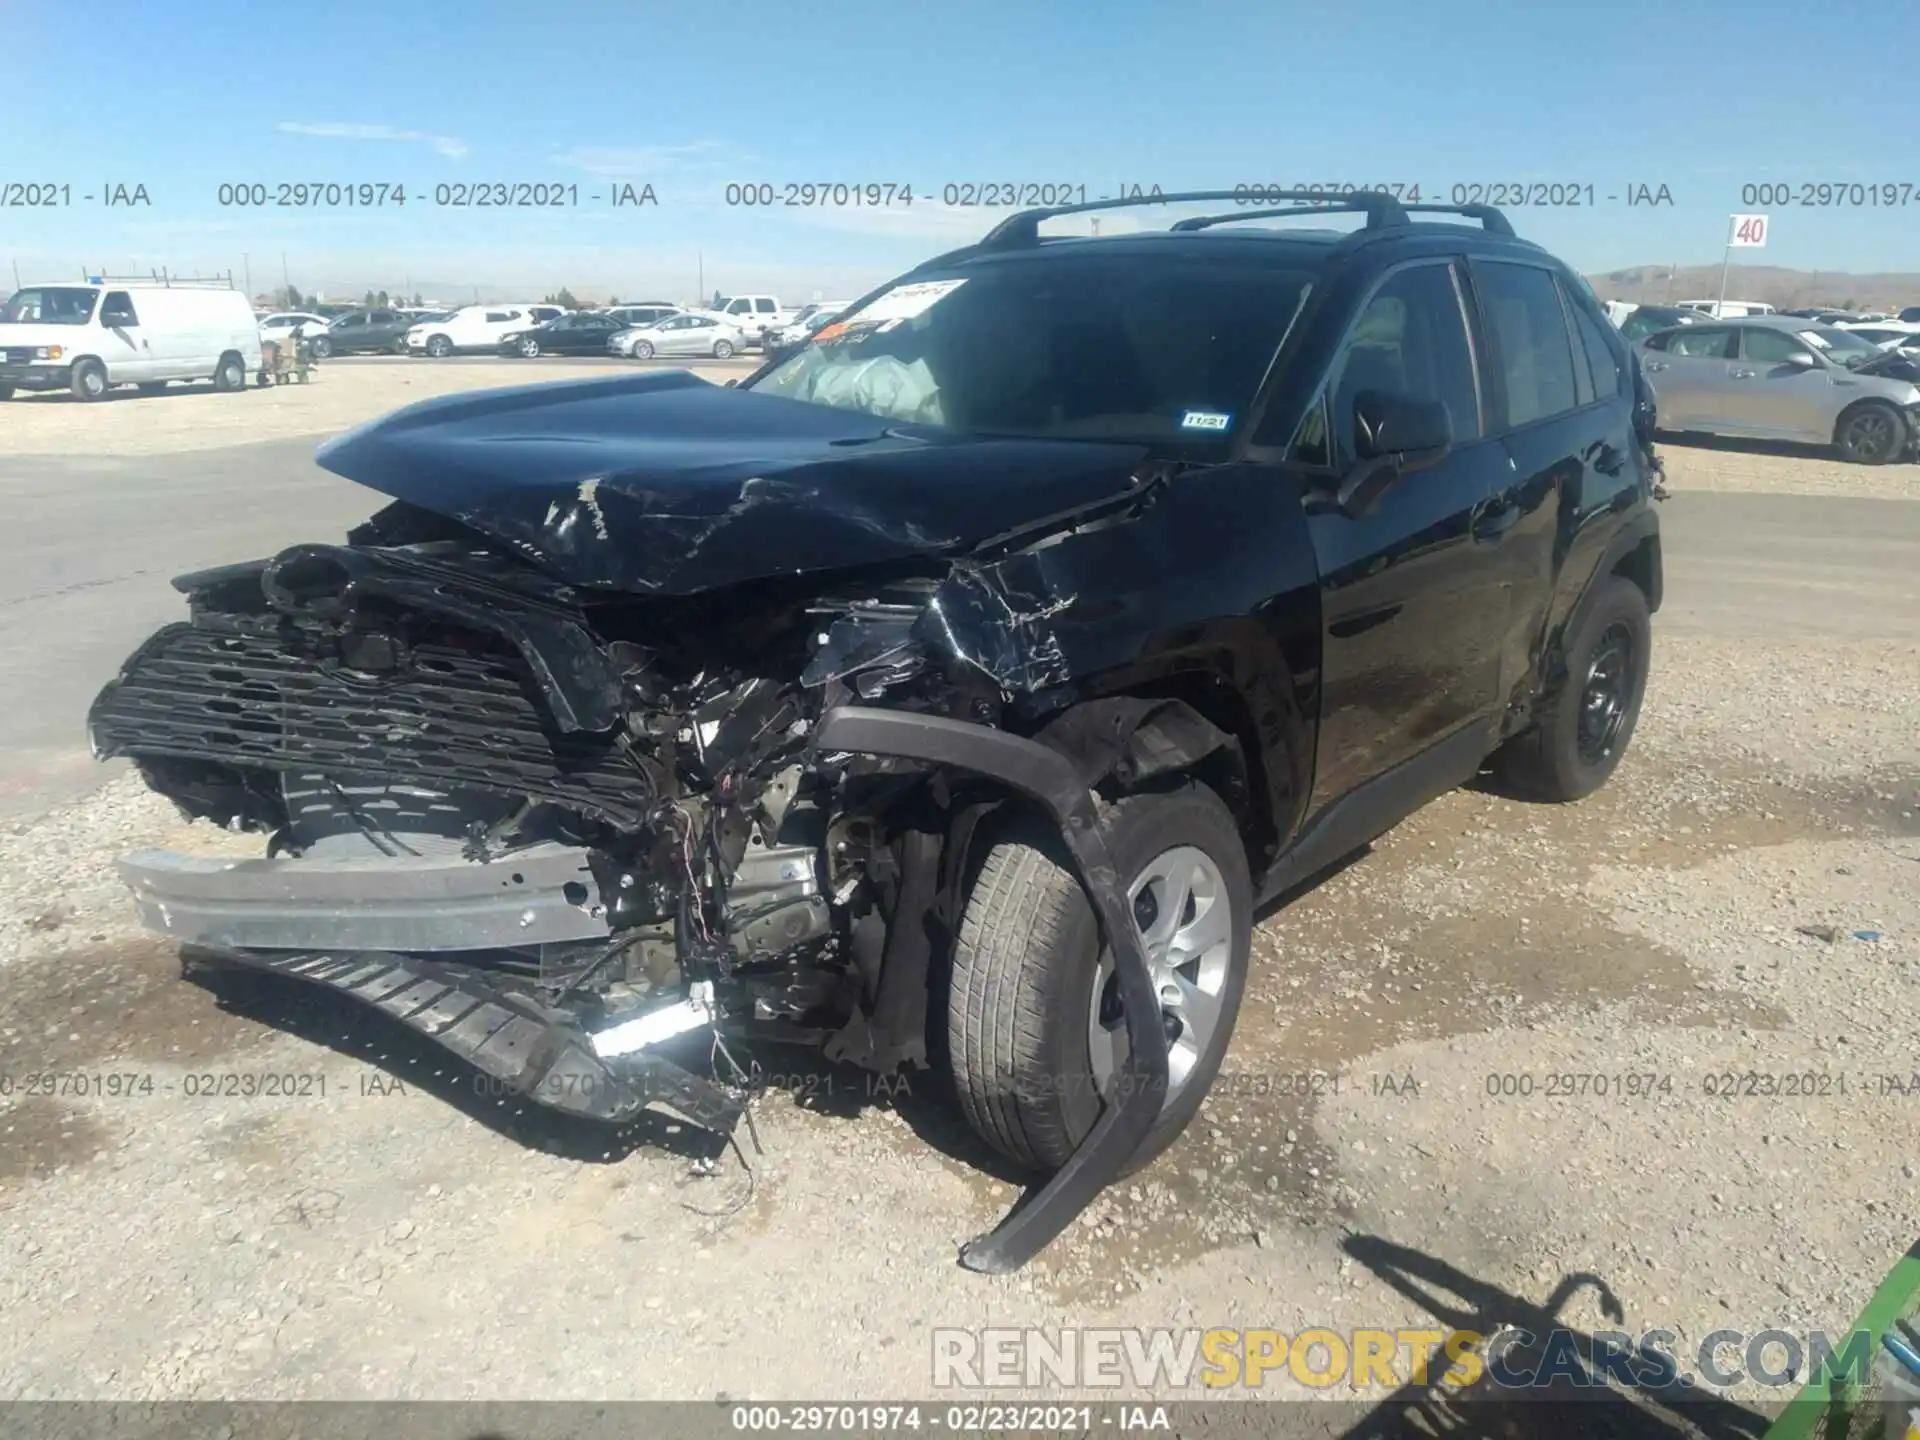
(1718, 957)
(343, 393)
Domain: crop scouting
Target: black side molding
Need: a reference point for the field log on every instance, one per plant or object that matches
(1047, 776)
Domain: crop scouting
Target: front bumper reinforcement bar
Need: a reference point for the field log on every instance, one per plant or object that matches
(1047, 776)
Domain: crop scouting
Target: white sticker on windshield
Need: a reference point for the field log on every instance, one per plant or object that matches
(1205, 420)
(908, 300)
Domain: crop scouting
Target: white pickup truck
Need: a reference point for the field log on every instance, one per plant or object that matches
(753, 315)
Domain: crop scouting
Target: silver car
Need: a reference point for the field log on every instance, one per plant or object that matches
(1779, 378)
(685, 334)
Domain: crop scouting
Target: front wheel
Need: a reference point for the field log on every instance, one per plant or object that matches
(89, 380)
(722, 349)
(1035, 1028)
(439, 347)
(1871, 433)
(529, 348)
(643, 349)
(320, 347)
(1583, 726)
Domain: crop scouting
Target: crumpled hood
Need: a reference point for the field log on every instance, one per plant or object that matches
(665, 483)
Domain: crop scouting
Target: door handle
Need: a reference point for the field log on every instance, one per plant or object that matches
(1493, 518)
(1607, 460)
(1740, 373)
(1653, 365)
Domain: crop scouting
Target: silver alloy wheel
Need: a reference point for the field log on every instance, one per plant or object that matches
(1185, 919)
(94, 381)
(642, 350)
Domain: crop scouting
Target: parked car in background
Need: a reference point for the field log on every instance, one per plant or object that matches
(1909, 316)
(1727, 309)
(582, 333)
(362, 332)
(1887, 334)
(644, 312)
(698, 333)
(1783, 378)
(751, 315)
(1645, 320)
(88, 338)
(788, 338)
(279, 325)
(474, 327)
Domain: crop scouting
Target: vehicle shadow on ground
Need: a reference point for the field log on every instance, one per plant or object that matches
(1740, 445)
(1467, 1305)
(360, 1032)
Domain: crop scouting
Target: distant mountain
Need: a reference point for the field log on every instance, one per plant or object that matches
(1771, 284)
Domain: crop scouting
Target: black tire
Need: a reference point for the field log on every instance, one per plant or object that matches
(1574, 744)
(643, 349)
(6, 392)
(1871, 433)
(88, 380)
(399, 346)
(320, 347)
(722, 349)
(439, 346)
(1026, 962)
(232, 374)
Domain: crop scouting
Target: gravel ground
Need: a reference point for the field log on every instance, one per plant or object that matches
(402, 1234)
(342, 394)
(1703, 463)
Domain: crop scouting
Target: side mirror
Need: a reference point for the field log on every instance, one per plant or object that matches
(1803, 360)
(1393, 435)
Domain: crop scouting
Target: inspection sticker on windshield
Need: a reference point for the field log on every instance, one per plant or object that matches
(1205, 420)
(908, 300)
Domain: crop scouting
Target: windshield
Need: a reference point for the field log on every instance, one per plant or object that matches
(1103, 348)
(1841, 345)
(53, 305)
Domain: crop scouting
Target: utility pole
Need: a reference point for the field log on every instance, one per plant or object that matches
(700, 285)
(246, 262)
(16, 275)
(1673, 271)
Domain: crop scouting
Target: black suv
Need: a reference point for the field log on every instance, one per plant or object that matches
(361, 332)
(949, 693)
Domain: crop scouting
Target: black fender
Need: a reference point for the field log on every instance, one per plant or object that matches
(1634, 546)
(1043, 774)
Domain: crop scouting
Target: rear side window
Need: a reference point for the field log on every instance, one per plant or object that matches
(499, 317)
(765, 307)
(1532, 350)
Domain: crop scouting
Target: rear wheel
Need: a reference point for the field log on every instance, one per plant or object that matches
(1035, 1027)
(321, 347)
(1871, 433)
(232, 374)
(722, 349)
(89, 380)
(6, 392)
(1582, 729)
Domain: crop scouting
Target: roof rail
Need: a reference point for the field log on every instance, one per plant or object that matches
(1490, 217)
(161, 278)
(1023, 228)
(1207, 222)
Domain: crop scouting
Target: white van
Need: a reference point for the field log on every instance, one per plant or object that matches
(475, 327)
(88, 338)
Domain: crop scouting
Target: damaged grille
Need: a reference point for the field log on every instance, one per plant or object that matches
(236, 691)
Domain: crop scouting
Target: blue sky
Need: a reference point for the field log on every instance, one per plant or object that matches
(1701, 97)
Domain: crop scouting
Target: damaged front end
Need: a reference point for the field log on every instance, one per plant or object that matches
(553, 827)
